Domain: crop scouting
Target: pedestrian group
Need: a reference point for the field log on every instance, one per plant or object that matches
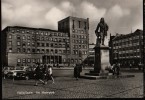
(43, 73)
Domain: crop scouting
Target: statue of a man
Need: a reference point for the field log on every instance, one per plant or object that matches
(101, 31)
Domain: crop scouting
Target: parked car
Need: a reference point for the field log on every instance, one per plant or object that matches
(27, 74)
(22, 73)
(7, 69)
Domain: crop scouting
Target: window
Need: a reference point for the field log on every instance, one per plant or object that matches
(60, 45)
(37, 33)
(24, 44)
(42, 44)
(73, 41)
(18, 50)
(51, 44)
(10, 36)
(43, 51)
(24, 50)
(28, 43)
(23, 31)
(33, 44)
(38, 50)
(45, 33)
(47, 44)
(24, 60)
(12, 31)
(10, 49)
(72, 60)
(56, 51)
(33, 60)
(38, 44)
(33, 37)
(28, 50)
(47, 38)
(42, 38)
(28, 37)
(79, 24)
(38, 38)
(73, 26)
(33, 50)
(18, 37)
(23, 37)
(10, 43)
(82, 31)
(18, 60)
(47, 50)
(85, 26)
(60, 51)
(28, 60)
(79, 46)
(42, 33)
(82, 36)
(52, 51)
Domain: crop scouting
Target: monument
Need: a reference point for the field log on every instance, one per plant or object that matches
(101, 51)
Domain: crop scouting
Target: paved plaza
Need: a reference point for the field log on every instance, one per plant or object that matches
(68, 87)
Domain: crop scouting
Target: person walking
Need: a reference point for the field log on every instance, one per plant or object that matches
(113, 69)
(77, 70)
(118, 70)
(49, 74)
(38, 75)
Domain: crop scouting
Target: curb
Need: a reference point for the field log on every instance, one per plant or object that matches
(105, 77)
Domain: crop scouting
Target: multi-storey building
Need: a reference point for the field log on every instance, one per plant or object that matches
(26, 46)
(127, 49)
(90, 59)
(78, 29)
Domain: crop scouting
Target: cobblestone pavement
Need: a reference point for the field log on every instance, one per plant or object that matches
(68, 87)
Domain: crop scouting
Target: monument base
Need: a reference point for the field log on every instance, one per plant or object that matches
(101, 61)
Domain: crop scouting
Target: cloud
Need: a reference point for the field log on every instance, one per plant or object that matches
(117, 12)
(67, 6)
(7, 12)
(53, 16)
(87, 9)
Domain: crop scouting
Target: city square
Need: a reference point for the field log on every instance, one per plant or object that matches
(66, 86)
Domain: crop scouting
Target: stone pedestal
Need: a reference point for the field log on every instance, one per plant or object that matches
(101, 59)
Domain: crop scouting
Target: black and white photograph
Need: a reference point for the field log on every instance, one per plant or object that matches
(72, 49)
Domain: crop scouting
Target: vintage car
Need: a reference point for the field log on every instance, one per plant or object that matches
(7, 69)
(22, 73)
(27, 74)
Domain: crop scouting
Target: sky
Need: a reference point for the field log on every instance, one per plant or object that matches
(122, 16)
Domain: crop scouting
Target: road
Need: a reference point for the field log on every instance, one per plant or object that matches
(68, 87)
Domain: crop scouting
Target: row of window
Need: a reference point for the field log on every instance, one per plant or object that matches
(129, 55)
(42, 38)
(135, 38)
(51, 51)
(122, 48)
(28, 60)
(46, 33)
(77, 52)
(80, 46)
(35, 60)
(38, 44)
(127, 43)
(79, 36)
(79, 41)
(79, 31)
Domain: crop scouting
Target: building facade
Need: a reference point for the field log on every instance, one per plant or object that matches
(90, 59)
(127, 49)
(26, 46)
